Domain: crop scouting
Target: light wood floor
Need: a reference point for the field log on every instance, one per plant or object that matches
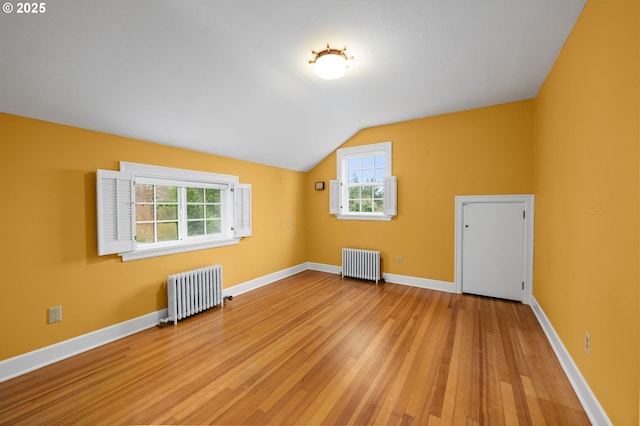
(314, 349)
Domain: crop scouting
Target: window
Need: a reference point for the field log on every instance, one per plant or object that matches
(158, 210)
(146, 211)
(365, 188)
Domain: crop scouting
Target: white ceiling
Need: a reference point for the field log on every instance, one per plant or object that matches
(231, 77)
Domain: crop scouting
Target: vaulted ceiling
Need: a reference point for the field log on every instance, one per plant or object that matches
(231, 77)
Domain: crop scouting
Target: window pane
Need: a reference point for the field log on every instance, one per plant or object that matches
(195, 195)
(167, 212)
(378, 206)
(367, 192)
(144, 212)
(367, 163)
(144, 193)
(367, 175)
(213, 212)
(366, 206)
(144, 233)
(195, 211)
(354, 164)
(378, 192)
(195, 227)
(354, 206)
(214, 226)
(168, 231)
(380, 175)
(213, 195)
(167, 194)
(354, 193)
(381, 161)
(355, 176)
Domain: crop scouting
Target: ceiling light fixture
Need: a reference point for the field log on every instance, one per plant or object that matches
(330, 63)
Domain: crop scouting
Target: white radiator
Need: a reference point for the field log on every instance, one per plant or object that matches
(194, 291)
(364, 264)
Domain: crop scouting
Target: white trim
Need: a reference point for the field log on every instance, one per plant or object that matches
(178, 247)
(323, 267)
(589, 402)
(161, 172)
(425, 283)
(30, 361)
(528, 201)
(265, 280)
(364, 217)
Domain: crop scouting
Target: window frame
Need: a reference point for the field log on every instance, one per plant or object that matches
(235, 205)
(339, 206)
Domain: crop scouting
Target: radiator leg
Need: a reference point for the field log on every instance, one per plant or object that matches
(165, 321)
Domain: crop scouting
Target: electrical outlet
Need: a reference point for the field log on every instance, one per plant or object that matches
(55, 314)
(399, 260)
(587, 342)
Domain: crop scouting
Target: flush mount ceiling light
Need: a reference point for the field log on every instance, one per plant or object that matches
(330, 63)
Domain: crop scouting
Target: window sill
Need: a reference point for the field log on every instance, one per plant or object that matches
(364, 217)
(179, 248)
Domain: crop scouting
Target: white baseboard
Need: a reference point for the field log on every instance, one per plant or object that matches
(393, 278)
(262, 281)
(30, 361)
(323, 267)
(591, 406)
(420, 282)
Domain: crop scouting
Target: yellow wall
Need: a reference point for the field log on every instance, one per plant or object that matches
(49, 253)
(586, 183)
(484, 151)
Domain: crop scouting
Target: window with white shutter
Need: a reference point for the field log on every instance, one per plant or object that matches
(147, 211)
(365, 188)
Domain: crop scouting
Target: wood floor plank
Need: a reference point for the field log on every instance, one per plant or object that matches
(314, 348)
(537, 418)
(510, 409)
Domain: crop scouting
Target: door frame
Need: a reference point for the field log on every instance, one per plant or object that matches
(528, 200)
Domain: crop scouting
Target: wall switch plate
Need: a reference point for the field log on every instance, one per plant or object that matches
(55, 314)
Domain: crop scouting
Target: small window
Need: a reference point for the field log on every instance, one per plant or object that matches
(146, 211)
(365, 188)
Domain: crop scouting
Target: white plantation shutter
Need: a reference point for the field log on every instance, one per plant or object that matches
(334, 197)
(242, 210)
(390, 196)
(115, 214)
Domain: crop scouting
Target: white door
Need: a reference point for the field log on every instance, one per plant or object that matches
(493, 249)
